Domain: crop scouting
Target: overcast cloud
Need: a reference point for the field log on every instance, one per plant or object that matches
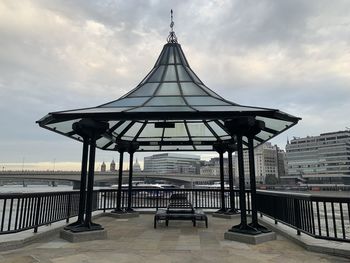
(58, 55)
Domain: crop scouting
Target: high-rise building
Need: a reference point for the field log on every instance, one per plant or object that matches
(323, 159)
(172, 163)
(103, 167)
(112, 166)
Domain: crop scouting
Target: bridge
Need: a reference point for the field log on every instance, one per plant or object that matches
(102, 177)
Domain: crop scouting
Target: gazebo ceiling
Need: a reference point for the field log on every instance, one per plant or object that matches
(170, 110)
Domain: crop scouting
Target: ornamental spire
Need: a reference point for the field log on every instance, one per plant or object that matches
(172, 37)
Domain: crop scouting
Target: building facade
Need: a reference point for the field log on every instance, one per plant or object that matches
(212, 167)
(269, 164)
(323, 159)
(172, 163)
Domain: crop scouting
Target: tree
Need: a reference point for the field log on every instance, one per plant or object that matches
(271, 179)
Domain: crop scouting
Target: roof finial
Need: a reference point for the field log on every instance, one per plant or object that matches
(172, 37)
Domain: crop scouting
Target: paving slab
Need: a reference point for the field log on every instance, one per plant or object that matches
(135, 240)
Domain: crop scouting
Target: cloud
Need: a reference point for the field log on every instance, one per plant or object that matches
(54, 55)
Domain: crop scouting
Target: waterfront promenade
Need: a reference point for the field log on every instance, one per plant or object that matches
(135, 240)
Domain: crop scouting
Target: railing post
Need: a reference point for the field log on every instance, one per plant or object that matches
(157, 200)
(37, 215)
(297, 215)
(195, 196)
(104, 201)
(69, 207)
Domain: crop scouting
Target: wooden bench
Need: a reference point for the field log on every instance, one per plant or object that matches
(179, 208)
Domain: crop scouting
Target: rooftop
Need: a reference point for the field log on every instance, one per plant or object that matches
(135, 240)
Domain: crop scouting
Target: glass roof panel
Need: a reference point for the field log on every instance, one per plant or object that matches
(199, 138)
(275, 124)
(129, 102)
(178, 131)
(177, 147)
(164, 59)
(205, 101)
(198, 129)
(217, 129)
(177, 57)
(149, 148)
(190, 88)
(159, 109)
(171, 56)
(183, 75)
(166, 101)
(168, 88)
(151, 131)
(227, 108)
(145, 90)
(170, 74)
(134, 129)
(100, 109)
(204, 147)
(120, 128)
(102, 142)
(157, 75)
(64, 127)
(264, 135)
(184, 138)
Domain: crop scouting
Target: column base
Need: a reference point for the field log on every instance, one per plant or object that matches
(83, 236)
(85, 227)
(260, 228)
(248, 238)
(245, 229)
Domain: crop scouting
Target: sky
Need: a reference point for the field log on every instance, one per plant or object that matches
(59, 55)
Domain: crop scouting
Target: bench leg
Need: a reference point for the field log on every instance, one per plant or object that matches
(194, 222)
(155, 223)
(167, 222)
(206, 222)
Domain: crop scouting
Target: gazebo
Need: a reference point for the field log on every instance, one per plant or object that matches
(170, 110)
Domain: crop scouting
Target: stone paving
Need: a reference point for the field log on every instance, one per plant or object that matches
(135, 240)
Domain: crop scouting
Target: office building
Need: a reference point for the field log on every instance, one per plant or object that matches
(172, 163)
(323, 159)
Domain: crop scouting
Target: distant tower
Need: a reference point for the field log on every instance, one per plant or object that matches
(103, 167)
(136, 167)
(112, 166)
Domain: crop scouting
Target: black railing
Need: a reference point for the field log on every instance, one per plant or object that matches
(21, 212)
(319, 216)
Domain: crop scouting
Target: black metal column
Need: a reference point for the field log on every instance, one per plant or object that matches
(120, 182)
(239, 126)
(242, 201)
(131, 157)
(233, 209)
(220, 148)
(253, 199)
(222, 182)
(82, 194)
(90, 188)
(90, 130)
